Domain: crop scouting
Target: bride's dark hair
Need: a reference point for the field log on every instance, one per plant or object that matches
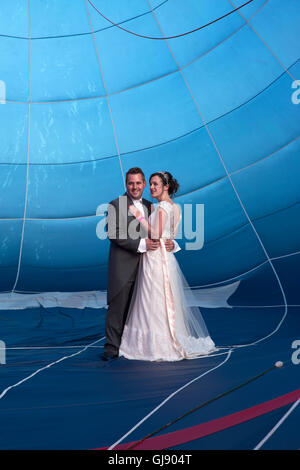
(167, 178)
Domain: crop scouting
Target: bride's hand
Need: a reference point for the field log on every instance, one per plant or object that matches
(169, 244)
(134, 211)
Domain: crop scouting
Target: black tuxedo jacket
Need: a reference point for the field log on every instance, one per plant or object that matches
(124, 232)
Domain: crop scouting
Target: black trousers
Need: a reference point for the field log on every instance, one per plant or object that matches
(116, 316)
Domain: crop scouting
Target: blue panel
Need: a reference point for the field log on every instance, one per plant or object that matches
(280, 231)
(120, 53)
(276, 181)
(195, 162)
(192, 46)
(13, 193)
(64, 69)
(10, 241)
(278, 27)
(209, 84)
(86, 182)
(79, 247)
(159, 119)
(50, 18)
(235, 254)
(288, 268)
(13, 143)
(119, 12)
(248, 11)
(15, 68)
(75, 131)
(83, 278)
(14, 21)
(260, 126)
(223, 213)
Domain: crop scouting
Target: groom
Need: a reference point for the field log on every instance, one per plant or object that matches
(124, 256)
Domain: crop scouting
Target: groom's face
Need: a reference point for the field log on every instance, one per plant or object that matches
(135, 186)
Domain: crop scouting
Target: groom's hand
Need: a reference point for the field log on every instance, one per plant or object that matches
(151, 244)
(169, 244)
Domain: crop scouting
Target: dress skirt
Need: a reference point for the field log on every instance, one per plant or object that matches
(160, 325)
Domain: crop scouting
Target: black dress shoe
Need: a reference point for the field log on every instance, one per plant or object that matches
(109, 357)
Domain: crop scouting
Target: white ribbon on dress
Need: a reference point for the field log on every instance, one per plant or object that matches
(170, 305)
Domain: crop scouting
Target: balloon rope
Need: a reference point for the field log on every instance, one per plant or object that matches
(170, 37)
(277, 365)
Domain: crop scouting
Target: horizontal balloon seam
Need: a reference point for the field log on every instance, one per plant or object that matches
(179, 196)
(193, 287)
(210, 242)
(269, 214)
(135, 86)
(156, 145)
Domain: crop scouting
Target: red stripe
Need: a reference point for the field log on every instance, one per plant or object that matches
(205, 429)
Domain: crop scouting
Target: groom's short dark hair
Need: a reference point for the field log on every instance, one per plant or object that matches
(135, 171)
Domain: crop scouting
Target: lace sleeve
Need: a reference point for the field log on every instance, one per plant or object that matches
(166, 206)
(168, 230)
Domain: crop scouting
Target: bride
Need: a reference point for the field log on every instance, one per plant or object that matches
(160, 325)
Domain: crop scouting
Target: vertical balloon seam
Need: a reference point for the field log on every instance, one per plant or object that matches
(28, 151)
(264, 42)
(106, 94)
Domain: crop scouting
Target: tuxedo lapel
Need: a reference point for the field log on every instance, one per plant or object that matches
(147, 206)
(130, 217)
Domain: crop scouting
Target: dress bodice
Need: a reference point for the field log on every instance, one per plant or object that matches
(171, 225)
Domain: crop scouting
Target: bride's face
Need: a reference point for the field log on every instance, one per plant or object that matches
(156, 187)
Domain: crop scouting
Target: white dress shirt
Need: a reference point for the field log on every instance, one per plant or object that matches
(142, 245)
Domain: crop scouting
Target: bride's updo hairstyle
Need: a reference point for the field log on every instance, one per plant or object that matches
(167, 178)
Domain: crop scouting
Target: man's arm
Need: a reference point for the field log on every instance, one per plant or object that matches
(147, 244)
(117, 228)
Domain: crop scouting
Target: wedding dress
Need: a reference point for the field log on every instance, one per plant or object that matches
(160, 326)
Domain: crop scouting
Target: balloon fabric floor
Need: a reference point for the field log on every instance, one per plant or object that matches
(57, 393)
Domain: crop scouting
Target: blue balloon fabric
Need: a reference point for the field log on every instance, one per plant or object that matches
(82, 101)
(85, 101)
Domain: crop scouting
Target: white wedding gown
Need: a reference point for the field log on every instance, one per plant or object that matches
(160, 326)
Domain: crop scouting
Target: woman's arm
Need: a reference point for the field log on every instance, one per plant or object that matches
(154, 231)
